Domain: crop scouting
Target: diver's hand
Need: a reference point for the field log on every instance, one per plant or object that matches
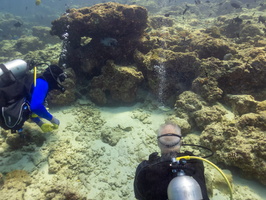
(47, 127)
(55, 123)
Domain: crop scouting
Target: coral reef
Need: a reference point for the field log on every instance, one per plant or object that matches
(209, 67)
(30, 43)
(238, 146)
(212, 47)
(69, 95)
(11, 27)
(101, 20)
(168, 73)
(31, 133)
(237, 141)
(116, 83)
(121, 23)
(15, 184)
(43, 33)
(114, 31)
(240, 78)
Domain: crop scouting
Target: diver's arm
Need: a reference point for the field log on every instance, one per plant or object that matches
(137, 190)
(38, 97)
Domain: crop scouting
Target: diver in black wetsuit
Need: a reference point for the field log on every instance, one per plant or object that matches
(154, 175)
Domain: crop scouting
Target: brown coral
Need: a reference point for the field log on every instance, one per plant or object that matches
(238, 146)
(15, 185)
(168, 73)
(106, 19)
(113, 32)
(119, 83)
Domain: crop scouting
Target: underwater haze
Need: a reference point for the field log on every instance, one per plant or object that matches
(133, 65)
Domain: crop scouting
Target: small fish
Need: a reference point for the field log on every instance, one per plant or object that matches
(207, 2)
(18, 24)
(186, 9)
(149, 29)
(167, 14)
(197, 2)
(237, 20)
(262, 19)
(109, 42)
(38, 2)
(235, 5)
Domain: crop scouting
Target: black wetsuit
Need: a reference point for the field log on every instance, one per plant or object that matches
(153, 176)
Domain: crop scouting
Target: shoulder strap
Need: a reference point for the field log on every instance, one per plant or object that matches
(7, 77)
(26, 82)
(3, 67)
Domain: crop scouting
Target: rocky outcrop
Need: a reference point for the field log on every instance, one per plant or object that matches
(115, 84)
(235, 133)
(101, 20)
(69, 95)
(239, 146)
(168, 73)
(15, 185)
(99, 33)
(211, 47)
(245, 77)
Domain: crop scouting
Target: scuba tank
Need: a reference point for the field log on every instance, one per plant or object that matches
(183, 187)
(13, 70)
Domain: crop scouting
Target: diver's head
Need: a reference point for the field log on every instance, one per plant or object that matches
(54, 75)
(169, 138)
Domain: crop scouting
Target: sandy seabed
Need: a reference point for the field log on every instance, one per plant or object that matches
(94, 155)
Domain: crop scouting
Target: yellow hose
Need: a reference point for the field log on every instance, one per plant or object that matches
(199, 158)
(35, 75)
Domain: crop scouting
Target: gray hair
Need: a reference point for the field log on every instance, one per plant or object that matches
(176, 127)
(169, 141)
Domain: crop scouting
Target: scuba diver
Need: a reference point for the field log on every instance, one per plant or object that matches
(161, 178)
(51, 79)
(22, 96)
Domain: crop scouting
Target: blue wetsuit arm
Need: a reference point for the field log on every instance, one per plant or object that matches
(37, 100)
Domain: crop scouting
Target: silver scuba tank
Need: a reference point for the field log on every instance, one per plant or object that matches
(18, 68)
(184, 187)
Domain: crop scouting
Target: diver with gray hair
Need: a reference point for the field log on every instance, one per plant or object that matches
(153, 176)
(169, 138)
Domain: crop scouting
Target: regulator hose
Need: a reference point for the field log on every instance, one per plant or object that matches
(205, 160)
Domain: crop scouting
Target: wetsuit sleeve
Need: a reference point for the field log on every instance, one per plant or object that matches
(37, 100)
(136, 186)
